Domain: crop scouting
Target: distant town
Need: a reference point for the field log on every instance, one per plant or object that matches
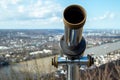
(22, 45)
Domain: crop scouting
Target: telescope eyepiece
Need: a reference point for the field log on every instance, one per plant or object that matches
(74, 16)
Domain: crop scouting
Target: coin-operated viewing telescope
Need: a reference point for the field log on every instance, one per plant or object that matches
(72, 43)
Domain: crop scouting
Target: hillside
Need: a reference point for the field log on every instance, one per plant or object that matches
(109, 71)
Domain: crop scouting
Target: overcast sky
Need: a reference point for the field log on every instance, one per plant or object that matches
(47, 14)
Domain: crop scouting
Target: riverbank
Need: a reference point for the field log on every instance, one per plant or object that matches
(33, 67)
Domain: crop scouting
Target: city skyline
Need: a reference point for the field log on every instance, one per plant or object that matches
(46, 14)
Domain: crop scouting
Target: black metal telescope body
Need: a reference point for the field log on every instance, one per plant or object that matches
(72, 43)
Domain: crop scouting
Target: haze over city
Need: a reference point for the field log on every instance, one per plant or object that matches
(47, 14)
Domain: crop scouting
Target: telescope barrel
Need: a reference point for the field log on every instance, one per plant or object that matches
(72, 43)
(74, 17)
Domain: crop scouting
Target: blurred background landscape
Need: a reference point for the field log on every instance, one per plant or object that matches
(30, 32)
